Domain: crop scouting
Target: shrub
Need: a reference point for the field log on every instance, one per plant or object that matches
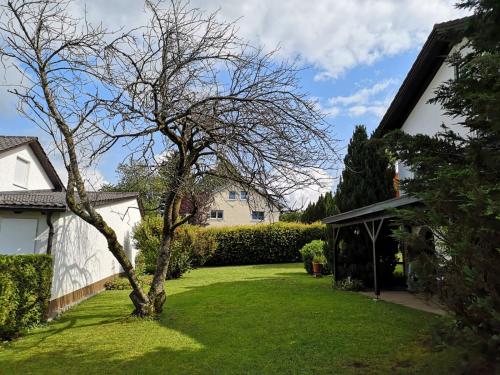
(349, 283)
(320, 258)
(25, 283)
(147, 236)
(122, 283)
(259, 244)
(314, 251)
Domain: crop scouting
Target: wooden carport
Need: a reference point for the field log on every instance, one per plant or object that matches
(372, 217)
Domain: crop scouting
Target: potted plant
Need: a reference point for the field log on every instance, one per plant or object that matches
(318, 262)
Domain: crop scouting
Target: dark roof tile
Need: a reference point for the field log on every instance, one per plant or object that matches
(54, 200)
(10, 142)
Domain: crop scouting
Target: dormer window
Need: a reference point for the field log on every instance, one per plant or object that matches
(232, 195)
(21, 173)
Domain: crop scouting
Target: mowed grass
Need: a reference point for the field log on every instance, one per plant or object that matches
(271, 319)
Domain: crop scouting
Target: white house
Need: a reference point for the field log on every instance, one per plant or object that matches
(410, 109)
(34, 219)
(235, 206)
(411, 112)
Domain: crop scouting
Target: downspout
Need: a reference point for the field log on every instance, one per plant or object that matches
(51, 232)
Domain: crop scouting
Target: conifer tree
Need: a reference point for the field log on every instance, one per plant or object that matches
(457, 175)
(367, 178)
(323, 207)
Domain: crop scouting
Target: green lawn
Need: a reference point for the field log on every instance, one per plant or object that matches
(271, 319)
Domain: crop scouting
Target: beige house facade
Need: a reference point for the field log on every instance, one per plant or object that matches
(235, 206)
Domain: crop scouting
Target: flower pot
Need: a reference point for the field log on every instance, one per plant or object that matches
(317, 268)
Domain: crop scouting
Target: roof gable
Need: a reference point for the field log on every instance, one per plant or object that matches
(8, 143)
(433, 54)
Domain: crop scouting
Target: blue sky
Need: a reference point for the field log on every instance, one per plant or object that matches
(357, 53)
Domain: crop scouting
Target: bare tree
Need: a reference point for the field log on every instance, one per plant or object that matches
(187, 87)
(58, 57)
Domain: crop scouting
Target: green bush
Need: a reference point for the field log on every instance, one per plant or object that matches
(122, 283)
(25, 282)
(314, 250)
(258, 244)
(350, 284)
(147, 236)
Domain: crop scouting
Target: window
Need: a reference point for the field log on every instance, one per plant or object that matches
(232, 195)
(258, 215)
(17, 236)
(217, 214)
(243, 195)
(21, 173)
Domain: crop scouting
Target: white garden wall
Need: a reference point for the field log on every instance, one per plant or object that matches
(81, 255)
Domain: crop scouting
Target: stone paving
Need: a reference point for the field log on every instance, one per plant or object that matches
(408, 299)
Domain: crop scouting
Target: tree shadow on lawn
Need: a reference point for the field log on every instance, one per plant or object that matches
(266, 325)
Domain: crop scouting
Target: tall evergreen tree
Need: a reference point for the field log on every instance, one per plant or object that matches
(367, 178)
(323, 207)
(458, 178)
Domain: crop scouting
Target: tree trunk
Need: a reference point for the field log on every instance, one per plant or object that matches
(138, 296)
(157, 294)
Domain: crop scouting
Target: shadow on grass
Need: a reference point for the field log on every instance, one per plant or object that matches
(274, 325)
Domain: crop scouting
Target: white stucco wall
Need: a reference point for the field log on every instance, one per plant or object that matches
(81, 255)
(80, 252)
(239, 212)
(37, 178)
(426, 118)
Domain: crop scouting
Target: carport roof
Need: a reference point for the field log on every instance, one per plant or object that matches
(372, 212)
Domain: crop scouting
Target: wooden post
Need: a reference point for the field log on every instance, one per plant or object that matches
(374, 235)
(335, 237)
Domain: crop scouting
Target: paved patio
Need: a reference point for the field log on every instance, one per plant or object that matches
(408, 299)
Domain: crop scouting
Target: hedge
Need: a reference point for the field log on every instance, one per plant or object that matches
(260, 244)
(25, 283)
(239, 245)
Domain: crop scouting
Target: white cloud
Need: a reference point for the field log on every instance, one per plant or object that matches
(93, 177)
(332, 36)
(368, 100)
(10, 77)
(363, 95)
(335, 36)
(299, 199)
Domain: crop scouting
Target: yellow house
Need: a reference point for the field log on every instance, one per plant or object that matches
(236, 206)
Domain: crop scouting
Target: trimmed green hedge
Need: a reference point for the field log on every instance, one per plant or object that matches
(253, 244)
(25, 283)
(260, 244)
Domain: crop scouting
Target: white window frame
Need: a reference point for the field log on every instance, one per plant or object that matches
(244, 193)
(24, 185)
(263, 216)
(217, 216)
(235, 195)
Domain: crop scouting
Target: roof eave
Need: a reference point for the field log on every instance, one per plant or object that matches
(432, 55)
